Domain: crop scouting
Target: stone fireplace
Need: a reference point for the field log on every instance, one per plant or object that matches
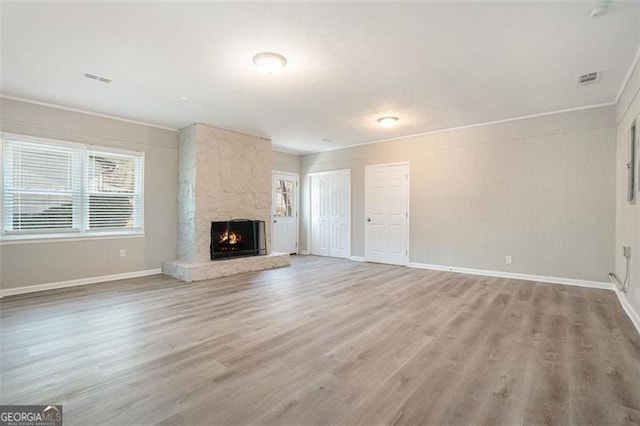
(222, 175)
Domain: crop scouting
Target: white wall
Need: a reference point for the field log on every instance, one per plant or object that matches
(628, 216)
(28, 264)
(286, 162)
(540, 189)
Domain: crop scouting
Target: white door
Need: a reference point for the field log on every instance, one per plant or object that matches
(387, 213)
(331, 213)
(319, 215)
(340, 215)
(285, 213)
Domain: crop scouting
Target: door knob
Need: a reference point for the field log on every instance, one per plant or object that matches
(368, 219)
(275, 221)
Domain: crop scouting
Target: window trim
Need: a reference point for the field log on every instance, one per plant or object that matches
(35, 239)
(84, 233)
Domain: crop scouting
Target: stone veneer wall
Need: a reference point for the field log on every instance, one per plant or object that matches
(186, 244)
(223, 175)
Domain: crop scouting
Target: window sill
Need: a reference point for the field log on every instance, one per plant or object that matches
(40, 239)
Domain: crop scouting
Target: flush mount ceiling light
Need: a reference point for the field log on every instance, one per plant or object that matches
(387, 121)
(269, 62)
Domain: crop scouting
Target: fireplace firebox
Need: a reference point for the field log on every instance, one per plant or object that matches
(237, 238)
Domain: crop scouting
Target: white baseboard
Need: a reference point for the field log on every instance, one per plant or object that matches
(357, 258)
(631, 312)
(304, 253)
(74, 283)
(515, 275)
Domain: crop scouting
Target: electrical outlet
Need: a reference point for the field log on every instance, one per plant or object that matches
(508, 260)
(123, 252)
(626, 251)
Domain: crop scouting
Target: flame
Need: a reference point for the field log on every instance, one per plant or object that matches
(230, 237)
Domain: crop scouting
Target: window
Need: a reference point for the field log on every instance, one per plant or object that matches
(631, 166)
(284, 197)
(54, 189)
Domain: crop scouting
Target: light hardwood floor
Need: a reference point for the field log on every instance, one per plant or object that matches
(325, 341)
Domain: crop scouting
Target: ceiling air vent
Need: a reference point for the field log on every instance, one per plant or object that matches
(588, 78)
(97, 78)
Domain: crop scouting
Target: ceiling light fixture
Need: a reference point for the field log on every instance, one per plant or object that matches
(269, 62)
(387, 121)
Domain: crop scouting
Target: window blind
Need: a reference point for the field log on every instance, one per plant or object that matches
(42, 188)
(113, 190)
(70, 189)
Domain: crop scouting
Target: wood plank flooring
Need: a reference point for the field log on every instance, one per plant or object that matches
(325, 341)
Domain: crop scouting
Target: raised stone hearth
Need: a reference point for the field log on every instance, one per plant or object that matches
(222, 175)
(187, 271)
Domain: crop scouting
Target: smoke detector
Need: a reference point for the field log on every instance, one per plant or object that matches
(599, 10)
(588, 78)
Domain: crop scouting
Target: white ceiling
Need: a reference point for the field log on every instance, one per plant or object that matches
(434, 65)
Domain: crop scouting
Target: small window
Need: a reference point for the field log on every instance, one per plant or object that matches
(631, 166)
(54, 189)
(284, 197)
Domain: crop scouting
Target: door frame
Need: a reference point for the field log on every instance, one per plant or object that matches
(296, 204)
(366, 204)
(328, 172)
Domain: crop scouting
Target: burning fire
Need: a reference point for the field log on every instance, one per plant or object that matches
(230, 238)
